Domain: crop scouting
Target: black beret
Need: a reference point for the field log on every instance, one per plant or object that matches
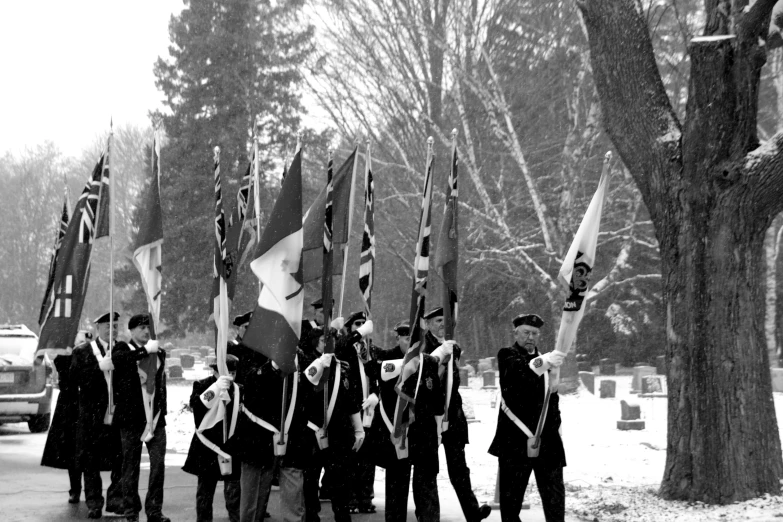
(528, 319)
(403, 328)
(231, 362)
(318, 303)
(243, 319)
(435, 312)
(105, 318)
(356, 316)
(138, 320)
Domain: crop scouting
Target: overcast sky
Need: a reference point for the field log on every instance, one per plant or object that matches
(68, 67)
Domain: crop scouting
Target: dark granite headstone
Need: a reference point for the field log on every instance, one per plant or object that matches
(584, 366)
(175, 372)
(607, 367)
(608, 388)
(489, 379)
(652, 384)
(588, 379)
(204, 351)
(630, 410)
(463, 377)
(187, 361)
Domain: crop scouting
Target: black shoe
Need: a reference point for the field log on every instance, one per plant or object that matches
(73, 498)
(132, 517)
(113, 508)
(484, 511)
(367, 507)
(159, 518)
(94, 513)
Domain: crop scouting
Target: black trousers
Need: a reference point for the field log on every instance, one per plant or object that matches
(362, 491)
(75, 478)
(425, 492)
(339, 464)
(513, 477)
(459, 475)
(131, 463)
(205, 494)
(93, 489)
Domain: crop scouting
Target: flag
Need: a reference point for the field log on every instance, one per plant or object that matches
(103, 210)
(276, 325)
(221, 270)
(446, 255)
(314, 222)
(246, 220)
(147, 255)
(73, 262)
(405, 387)
(327, 268)
(367, 260)
(574, 274)
(62, 226)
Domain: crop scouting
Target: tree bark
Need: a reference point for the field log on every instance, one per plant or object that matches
(711, 192)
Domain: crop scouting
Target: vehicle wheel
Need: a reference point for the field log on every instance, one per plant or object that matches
(39, 423)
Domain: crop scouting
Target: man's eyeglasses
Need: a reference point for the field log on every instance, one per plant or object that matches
(358, 323)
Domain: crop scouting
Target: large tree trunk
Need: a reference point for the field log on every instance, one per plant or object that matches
(711, 192)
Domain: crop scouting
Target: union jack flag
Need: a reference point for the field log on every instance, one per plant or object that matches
(328, 257)
(222, 269)
(367, 262)
(61, 228)
(96, 198)
(407, 393)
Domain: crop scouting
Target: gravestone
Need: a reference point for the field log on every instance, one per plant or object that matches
(173, 361)
(630, 416)
(204, 351)
(584, 366)
(463, 377)
(607, 367)
(187, 361)
(177, 352)
(484, 365)
(652, 384)
(493, 361)
(588, 379)
(639, 373)
(660, 365)
(777, 379)
(489, 380)
(175, 372)
(608, 388)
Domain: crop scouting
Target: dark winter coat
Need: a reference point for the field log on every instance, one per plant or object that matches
(201, 460)
(523, 392)
(129, 412)
(457, 433)
(60, 449)
(262, 396)
(422, 432)
(97, 444)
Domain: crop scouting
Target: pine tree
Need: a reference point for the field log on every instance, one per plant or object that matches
(230, 60)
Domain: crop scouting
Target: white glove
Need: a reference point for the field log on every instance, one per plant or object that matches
(152, 346)
(448, 347)
(223, 383)
(439, 427)
(365, 329)
(337, 323)
(274, 365)
(444, 351)
(106, 365)
(370, 402)
(326, 360)
(358, 431)
(555, 358)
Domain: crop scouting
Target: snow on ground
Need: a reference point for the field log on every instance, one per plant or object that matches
(612, 475)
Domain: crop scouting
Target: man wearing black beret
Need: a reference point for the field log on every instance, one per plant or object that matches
(522, 399)
(140, 414)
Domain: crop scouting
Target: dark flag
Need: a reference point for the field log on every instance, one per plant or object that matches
(446, 259)
(73, 263)
(327, 269)
(276, 325)
(221, 269)
(406, 386)
(367, 261)
(314, 222)
(62, 227)
(147, 255)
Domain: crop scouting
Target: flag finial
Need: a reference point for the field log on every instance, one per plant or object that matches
(608, 156)
(453, 134)
(217, 153)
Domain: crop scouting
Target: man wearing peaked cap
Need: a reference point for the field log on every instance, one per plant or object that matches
(455, 436)
(522, 396)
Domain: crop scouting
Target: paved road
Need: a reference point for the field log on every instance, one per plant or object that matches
(31, 493)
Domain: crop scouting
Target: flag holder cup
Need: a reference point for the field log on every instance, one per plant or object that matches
(533, 445)
(369, 415)
(279, 443)
(400, 447)
(109, 417)
(226, 466)
(323, 439)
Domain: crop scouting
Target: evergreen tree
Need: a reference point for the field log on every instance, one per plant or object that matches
(230, 61)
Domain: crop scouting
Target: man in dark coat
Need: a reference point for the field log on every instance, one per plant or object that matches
(60, 449)
(354, 348)
(343, 427)
(258, 443)
(202, 461)
(97, 443)
(456, 436)
(241, 323)
(140, 414)
(422, 435)
(523, 391)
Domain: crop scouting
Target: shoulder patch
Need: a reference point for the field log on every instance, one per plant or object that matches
(388, 367)
(538, 363)
(209, 395)
(428, 382)
(312, 371)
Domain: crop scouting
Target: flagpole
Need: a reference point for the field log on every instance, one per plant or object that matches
(256, 185)
(348, 239)
(448, 313)
(110, 411)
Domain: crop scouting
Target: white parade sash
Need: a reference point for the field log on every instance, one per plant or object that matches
(521, 425)
(149, 404)
(399, 444)
(367, 413)
(200, 431)
(449, 386)
(332, 402)
(107, 374)
(280, 445)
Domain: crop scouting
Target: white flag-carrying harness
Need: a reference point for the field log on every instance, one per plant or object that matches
(107, 374)
(216, 413)
(321, 432)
